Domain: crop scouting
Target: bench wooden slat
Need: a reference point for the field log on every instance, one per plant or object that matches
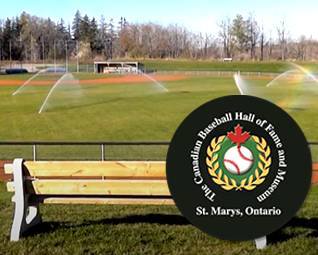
(143, 201)
(98, 187)
(10, 186)
(7, 168)
(96, 168)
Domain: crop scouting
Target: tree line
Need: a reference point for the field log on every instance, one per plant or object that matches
(31, 38)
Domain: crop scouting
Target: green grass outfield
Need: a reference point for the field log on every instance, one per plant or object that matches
(128, 112)
(114, 112)
(256, 66)
(203, 65)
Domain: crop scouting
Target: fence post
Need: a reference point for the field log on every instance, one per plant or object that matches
(34, 152)
(219, 74)
(259, 74)
(87, 68)
(102, 151)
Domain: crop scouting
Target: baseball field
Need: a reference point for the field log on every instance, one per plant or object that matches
(99, 107)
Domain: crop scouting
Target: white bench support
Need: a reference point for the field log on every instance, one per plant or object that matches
(260, 242)
(25, 214)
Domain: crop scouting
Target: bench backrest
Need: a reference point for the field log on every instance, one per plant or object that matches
(124, 179)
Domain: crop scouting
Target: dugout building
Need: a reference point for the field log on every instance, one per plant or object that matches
(118, 67)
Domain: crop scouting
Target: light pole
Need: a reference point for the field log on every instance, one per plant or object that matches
(66, 59)
(10, 54)
(43, 51)
(110, 48)
(21, 59)
(31, 44)
(0, 54)
(77, 63)
(54, 57)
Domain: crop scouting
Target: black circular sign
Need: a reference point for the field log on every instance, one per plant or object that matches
(239, 167)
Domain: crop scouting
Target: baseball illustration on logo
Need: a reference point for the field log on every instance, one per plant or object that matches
(238, 160)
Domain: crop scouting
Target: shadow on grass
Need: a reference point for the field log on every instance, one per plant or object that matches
(162, 219)
(81, 105)
(278, 236)
(296, 222)
(44, 227)
(93, 102)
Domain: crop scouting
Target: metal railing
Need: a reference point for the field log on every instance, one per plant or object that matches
(102, 145)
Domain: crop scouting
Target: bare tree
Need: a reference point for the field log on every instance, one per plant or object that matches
(281, 31)
(225, 34)
(270, 44)
(253, 33)
(262, 42)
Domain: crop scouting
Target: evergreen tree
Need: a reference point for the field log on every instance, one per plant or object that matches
(94, 40)
(103, 35)
(76, 25)
(85, 29)
(61, 30)
(7, 39)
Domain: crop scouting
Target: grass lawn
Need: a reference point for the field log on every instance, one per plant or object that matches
(105, 229)
(194, 65)
(129, 112)
(116, 112)
(25, 77)
(256, 66)
(109, 112)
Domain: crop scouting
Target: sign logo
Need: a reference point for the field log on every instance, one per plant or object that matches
(233, 166)
(239, 160)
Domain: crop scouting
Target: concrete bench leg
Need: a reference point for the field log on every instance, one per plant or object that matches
(25, 215)
(260, 242)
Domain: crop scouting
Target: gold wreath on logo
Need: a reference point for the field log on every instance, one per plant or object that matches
(255, 179)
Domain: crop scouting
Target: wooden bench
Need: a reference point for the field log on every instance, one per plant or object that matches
(84, 182)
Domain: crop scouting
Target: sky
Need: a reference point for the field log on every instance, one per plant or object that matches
(202, 15)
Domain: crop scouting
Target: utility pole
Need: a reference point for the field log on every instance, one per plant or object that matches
(43, 52)
(31, 44)
(66, 63)
(0, 55)
(10, 54)
(109, 48)
(77, 67)
(54, 57)
(20, 50)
